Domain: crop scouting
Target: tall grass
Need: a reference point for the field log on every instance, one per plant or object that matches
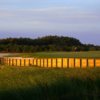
(93, 54)
(31, 83)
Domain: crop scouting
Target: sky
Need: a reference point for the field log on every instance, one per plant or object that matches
(37, 18)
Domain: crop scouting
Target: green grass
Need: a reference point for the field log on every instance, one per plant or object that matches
(93, 54)
(31, 83)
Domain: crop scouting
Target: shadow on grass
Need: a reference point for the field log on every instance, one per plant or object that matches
(62, 89)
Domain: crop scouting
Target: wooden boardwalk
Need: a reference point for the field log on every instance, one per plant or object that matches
(52, 62)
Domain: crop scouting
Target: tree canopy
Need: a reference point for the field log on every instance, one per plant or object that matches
(47, 43)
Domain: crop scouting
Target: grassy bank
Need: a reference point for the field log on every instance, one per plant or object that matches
(49, 84)
(93, 54)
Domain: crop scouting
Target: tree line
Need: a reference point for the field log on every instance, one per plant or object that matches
(47, 43)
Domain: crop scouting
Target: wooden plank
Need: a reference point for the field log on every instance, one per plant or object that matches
(49, 62)
(35, 61)
(45, 62)
(54, 62)
(91, 63)
(31, 62)
(38, 62)
(18, 62)
(84, 63)
(77, 63)
(97, 62)
(14, 62)
(65, 62)
(59, 62)
(71, 62)
(23, 62)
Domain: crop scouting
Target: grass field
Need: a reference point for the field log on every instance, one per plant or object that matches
(31, 83)
(34, 83)
(93, 54)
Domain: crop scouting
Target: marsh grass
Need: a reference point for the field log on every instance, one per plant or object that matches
(32, 83)
(93, 54)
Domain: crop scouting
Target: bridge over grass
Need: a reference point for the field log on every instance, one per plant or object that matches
(55, 59)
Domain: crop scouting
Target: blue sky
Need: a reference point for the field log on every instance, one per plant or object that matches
(35, 18)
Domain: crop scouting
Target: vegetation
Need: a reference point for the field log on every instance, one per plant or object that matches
(48, 43)
(89, 54)
(49, 84)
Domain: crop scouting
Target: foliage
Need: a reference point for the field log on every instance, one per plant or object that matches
(48, 43)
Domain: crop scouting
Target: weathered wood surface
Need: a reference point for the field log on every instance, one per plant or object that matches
(52, 62)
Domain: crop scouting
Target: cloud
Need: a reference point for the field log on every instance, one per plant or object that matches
(52, 18)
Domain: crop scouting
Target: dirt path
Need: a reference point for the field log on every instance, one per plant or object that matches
(4, 54)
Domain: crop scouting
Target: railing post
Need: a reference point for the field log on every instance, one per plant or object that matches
(51, 62)
(40, 62)
(62, 62)
(87, 63)
(56, 62)
(80, 62)
(16, 62)
(24, 63)
(74, 62)
(36, 61)
(47, 62)
(12, 63)
(94, 63)
(67, 62)
(33, 61)
(20, 62)
(29, 62)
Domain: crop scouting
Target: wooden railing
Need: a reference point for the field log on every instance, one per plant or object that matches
(52, 62)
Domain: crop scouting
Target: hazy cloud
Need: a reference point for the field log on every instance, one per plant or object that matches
(57, 18)
(50, 16)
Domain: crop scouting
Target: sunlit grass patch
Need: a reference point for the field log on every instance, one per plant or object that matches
(27, 83)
